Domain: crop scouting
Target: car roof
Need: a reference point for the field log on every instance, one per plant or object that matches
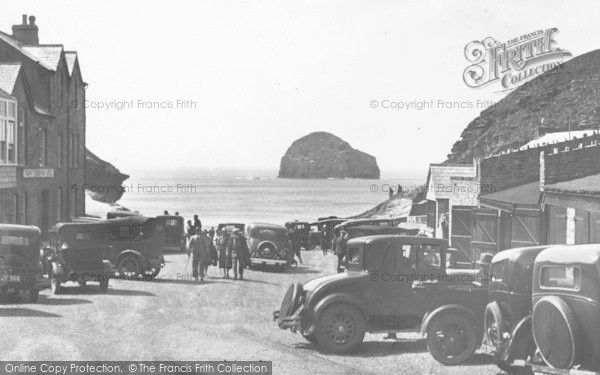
(128, 220)
(517, 252)
(565, 254)
(266, 225)
(379, 228)
(19, 229)
(388, 237)
(296, 222)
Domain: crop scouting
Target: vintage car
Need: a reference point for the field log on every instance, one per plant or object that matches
(77, 252)
(173, 228)
(135, 245)
(392, 283)
(231, 226)
(269, 244)
(371, 230)
(20, 266)
(316, 233)
(303, 229)
(357, 222)
(506, 321)
(565, 318)
(115, 214)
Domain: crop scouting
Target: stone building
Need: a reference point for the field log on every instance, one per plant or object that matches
(42, 130)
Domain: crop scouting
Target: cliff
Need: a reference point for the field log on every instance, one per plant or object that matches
(323, 155)
(105, 179)
(566, 96)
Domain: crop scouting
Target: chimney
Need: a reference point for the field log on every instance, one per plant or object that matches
(26, 33)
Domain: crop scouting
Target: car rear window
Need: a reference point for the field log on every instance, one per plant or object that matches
(560, 277)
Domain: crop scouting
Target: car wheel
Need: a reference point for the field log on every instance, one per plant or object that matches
(266, 251)
(493, 324)
(451, 339)
(104, 284)
(55, 286)
(34, 295)
(340, 329)
(129, 266)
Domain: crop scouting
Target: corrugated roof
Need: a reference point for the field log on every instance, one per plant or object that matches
(455, 182)
(589, 185)
(47, 55)
(71, 57)
(523, 194)
(9, 72)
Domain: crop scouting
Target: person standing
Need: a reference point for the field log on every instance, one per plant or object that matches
(199, 251)
(211, 233)
(189, 230)
(324, 237)
(239, 254)
(296, 243)
(340, 250)
(197, 224)
(224, 259)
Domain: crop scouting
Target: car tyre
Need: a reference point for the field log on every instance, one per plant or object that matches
(129, 266)
(493, 323)
(340, 329)
(451, 339)
(55, 286)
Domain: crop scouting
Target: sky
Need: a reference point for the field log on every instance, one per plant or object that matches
(232, 83)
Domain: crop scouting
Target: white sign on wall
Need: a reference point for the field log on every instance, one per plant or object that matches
(38, 173)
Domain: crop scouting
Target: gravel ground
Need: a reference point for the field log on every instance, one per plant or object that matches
(176, 318)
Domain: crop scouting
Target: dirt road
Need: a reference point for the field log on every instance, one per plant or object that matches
(178, 319)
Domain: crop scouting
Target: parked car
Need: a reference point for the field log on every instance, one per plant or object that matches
(392, 283)
(357, 222)
(303, 228)
(565, 318)
(371, 230)
(316, 233)
(507, 321)
(135, 244)
(20, 266)
(269, 244)
(115, 214)
(173, 227)
(231, 226)
(77, 252)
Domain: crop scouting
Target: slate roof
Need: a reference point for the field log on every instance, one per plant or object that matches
(9, 72)
(47, 55)
(589, 185)
(71, 57)
(455, 182)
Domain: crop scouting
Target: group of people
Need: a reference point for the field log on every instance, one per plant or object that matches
(228, 250)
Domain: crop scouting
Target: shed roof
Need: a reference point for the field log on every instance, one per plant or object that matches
(589, 185)
(455, 182)
(522, 194)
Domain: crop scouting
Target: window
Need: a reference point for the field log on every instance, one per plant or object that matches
(8, 131)
(77, 151)
(16, 212)
(59, 204)
(74, 203)
(22, 152)
(560, 277)
(23, 208)
(43, 148)
(59, 144)
(428, 256)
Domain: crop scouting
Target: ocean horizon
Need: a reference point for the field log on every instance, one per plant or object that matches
(246, 195)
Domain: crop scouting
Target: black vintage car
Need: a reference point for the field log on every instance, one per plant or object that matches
(77, 252)
(506, 319)
(173, 228)
(317, 229)
(20, 267)
(392, 283)
(302, 230)
(565, 319)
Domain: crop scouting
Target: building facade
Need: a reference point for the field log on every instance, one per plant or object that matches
(42, 130)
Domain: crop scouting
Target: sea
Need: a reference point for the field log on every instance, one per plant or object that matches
(218, 196)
